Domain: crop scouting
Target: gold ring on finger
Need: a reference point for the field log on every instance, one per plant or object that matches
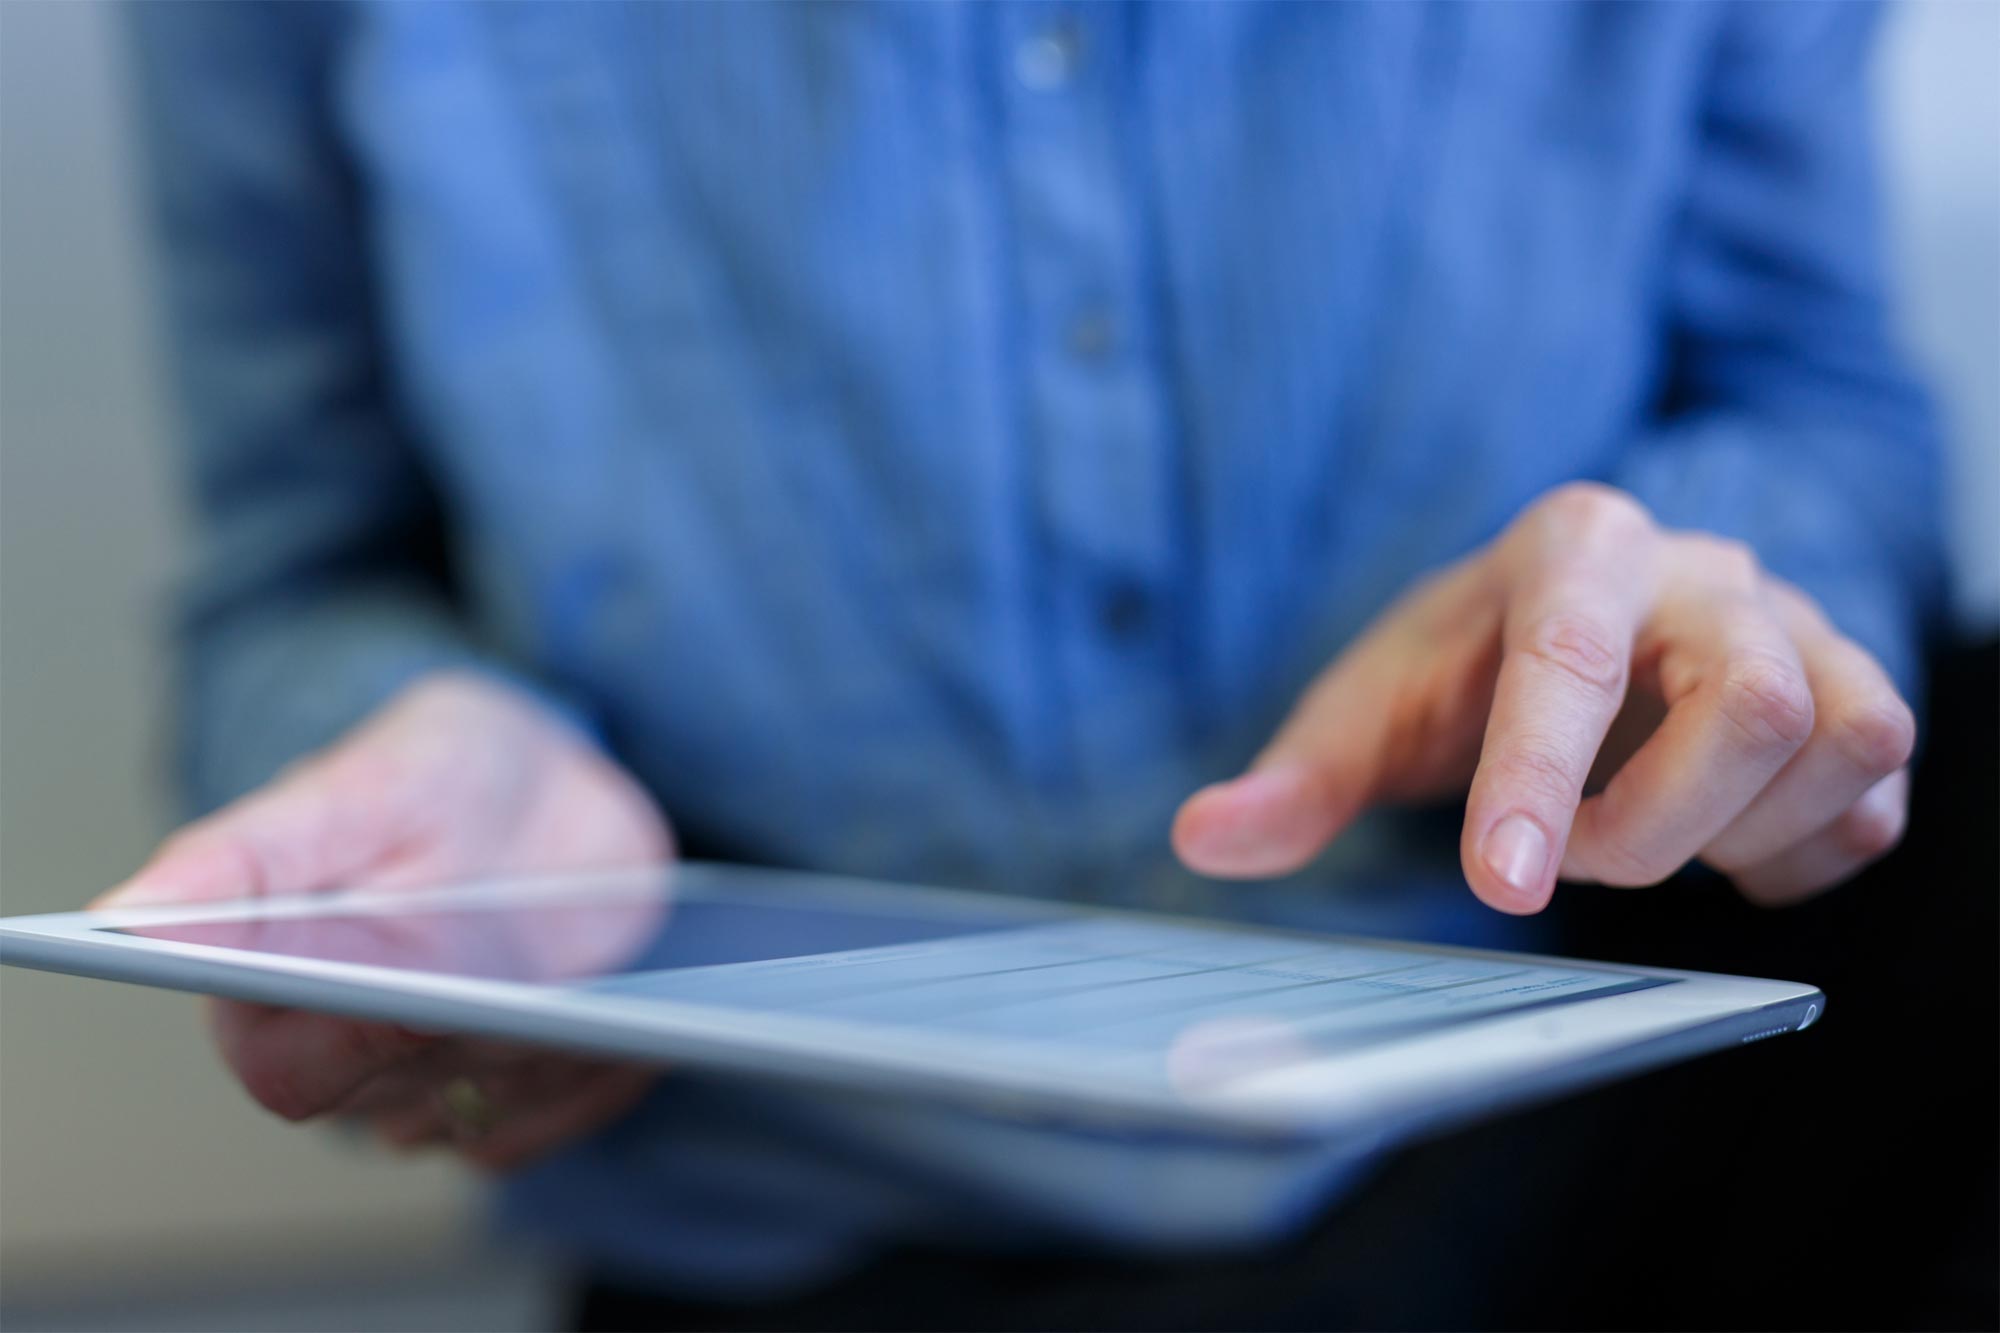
(470, 1112)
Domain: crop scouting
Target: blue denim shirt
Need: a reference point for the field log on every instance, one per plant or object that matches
(928, 441)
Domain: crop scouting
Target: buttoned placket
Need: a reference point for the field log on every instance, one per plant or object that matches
(1093, 404)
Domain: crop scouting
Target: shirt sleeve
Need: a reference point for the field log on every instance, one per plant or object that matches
(1788, 419)
(321, 582)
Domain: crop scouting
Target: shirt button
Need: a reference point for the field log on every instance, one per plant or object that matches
(1124, 610)
(1049, 59)
(1091, 335)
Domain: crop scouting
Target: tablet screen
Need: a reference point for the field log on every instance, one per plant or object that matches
(1109, 988)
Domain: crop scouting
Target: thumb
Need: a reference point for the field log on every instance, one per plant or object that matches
(306, 832)
(1307, 785)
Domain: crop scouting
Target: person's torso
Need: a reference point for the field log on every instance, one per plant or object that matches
(938, 437)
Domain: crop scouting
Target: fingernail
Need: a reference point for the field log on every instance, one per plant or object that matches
(1518, 852)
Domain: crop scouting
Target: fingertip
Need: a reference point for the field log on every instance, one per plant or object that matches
(1510, 867)
(145, 889)
(1267, 822)
(1506, 901)
(132, 893)
(1196, 831)
(191, 867)
(1502, 896)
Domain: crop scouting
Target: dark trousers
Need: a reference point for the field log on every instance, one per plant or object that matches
(1841, 1178)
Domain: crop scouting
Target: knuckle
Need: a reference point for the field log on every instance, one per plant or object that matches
(1773, 890)
(280, 1090)
(1622, 864)
(1591, 506)
(1729, 857)
(358, 770)
(438, 690)
(1794, 600)
(362, 786)
(198, 841)
(1727, 560)
(1870, 829)
(1768, 700)
(1542, 770)
(280, 864)
(1876, 736)
(231, 858)
(1581, 649)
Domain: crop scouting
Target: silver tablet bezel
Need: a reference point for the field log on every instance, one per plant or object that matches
(1438, 1077)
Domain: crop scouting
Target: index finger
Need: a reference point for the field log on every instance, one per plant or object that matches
(1578, 588)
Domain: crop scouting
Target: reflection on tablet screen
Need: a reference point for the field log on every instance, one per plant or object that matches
(1160, 997)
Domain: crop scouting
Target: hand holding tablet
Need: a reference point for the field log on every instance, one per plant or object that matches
(457, 778)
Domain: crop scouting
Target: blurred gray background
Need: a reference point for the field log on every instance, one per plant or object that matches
(137, 1188)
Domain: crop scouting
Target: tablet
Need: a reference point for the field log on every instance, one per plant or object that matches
(1018, 1007)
